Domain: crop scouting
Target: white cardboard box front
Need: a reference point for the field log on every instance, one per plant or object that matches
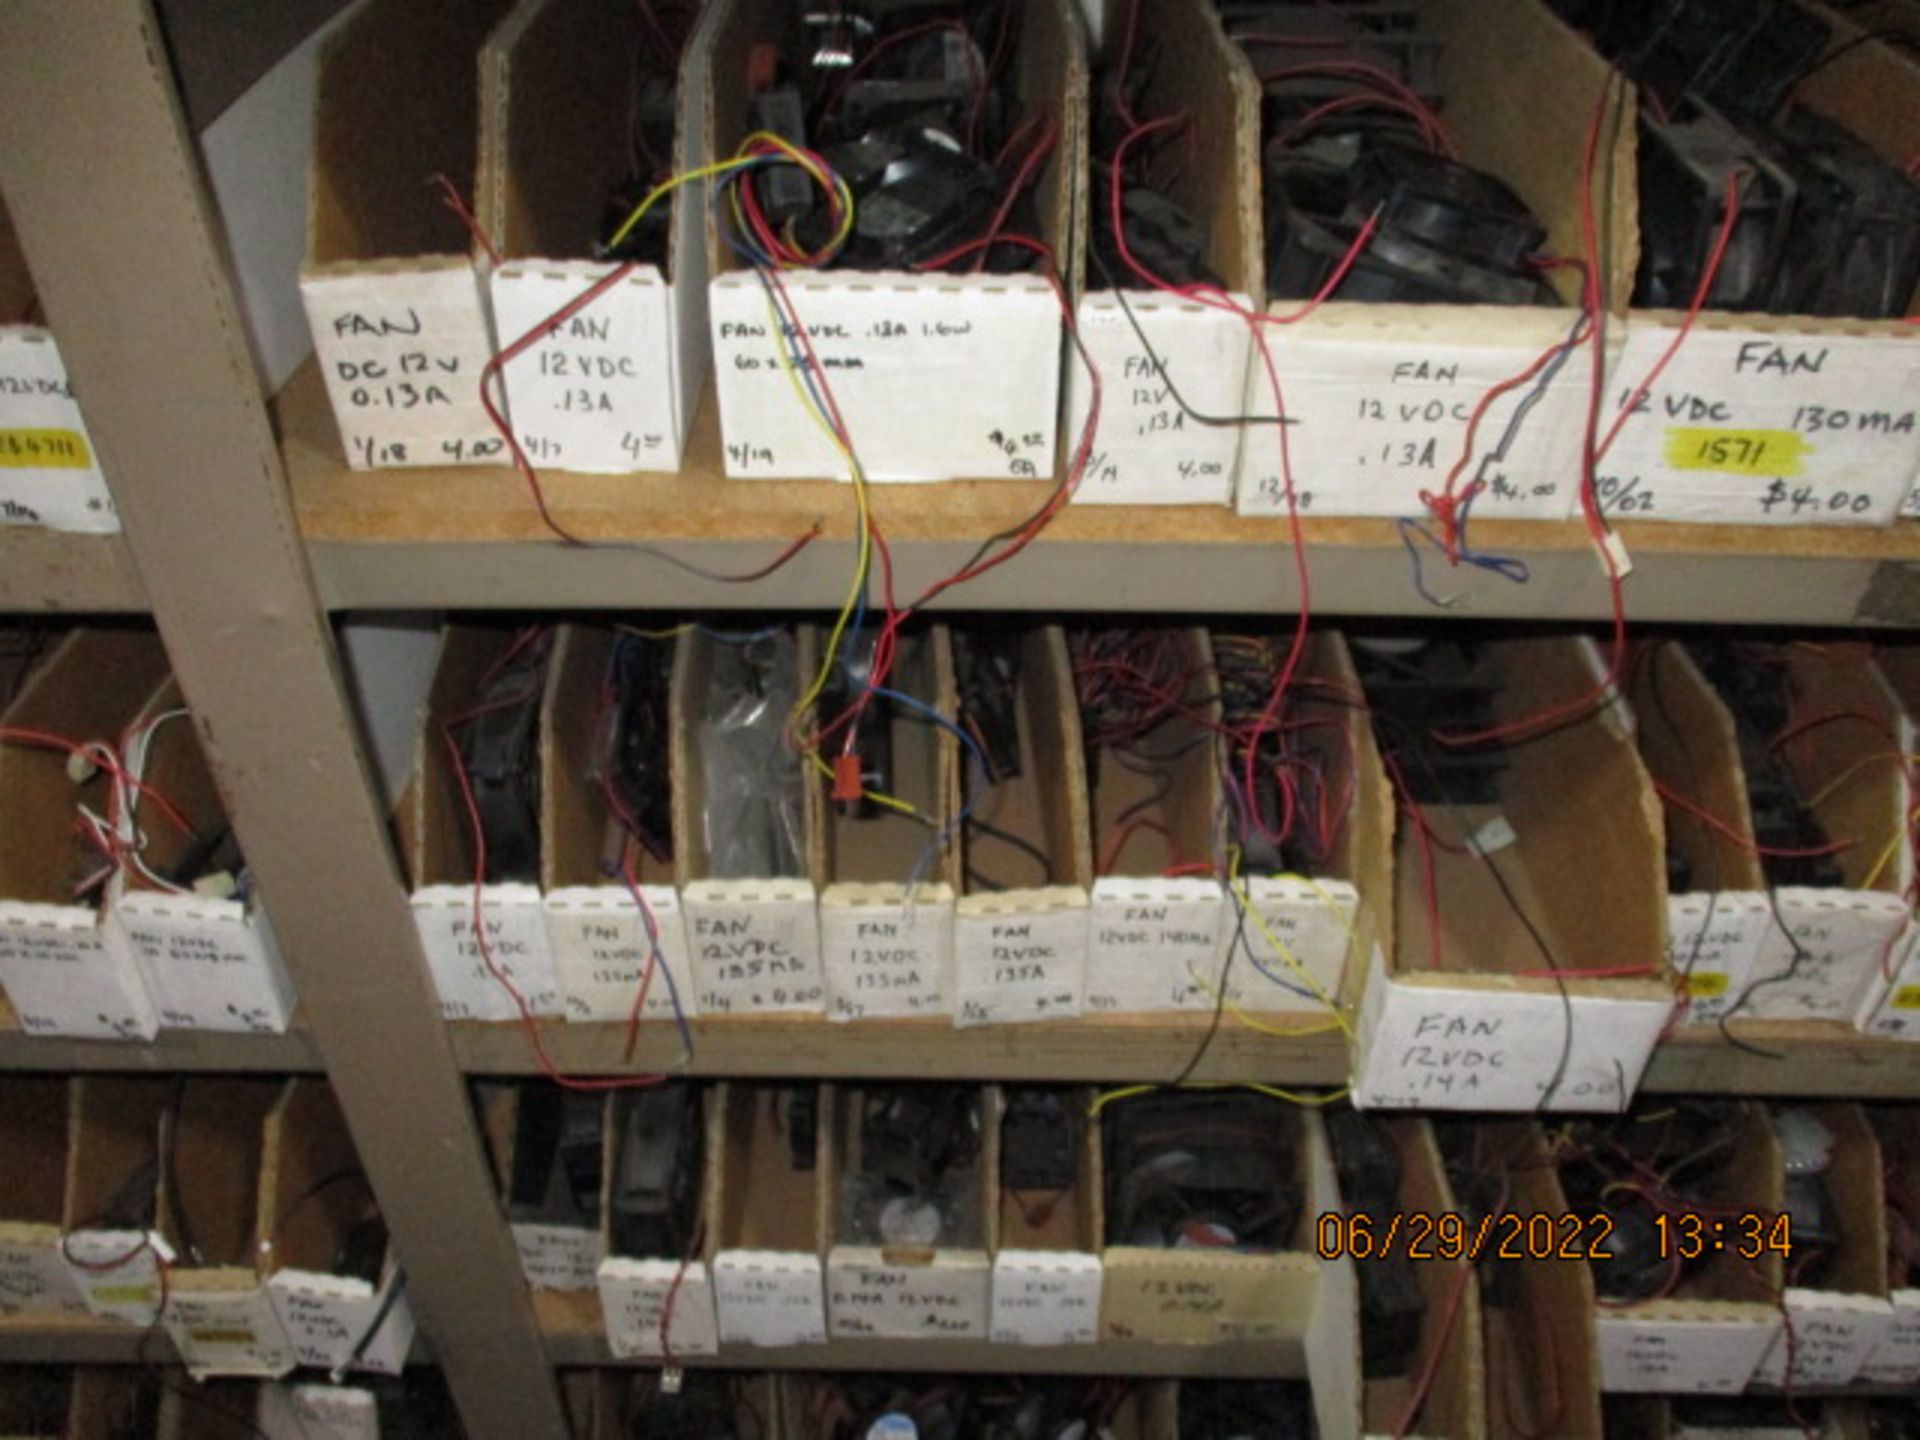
(128, 1291)
(516, 933)
(228, 1332)
(1712, 941)
(756, 946)
(1890, 1005)
(558, 1257)
(1155, 944)
(1896, 1359)
(1833, 1336)
(1669, 1355)
(634, 1299)
(49, 470)
(770, 1298)
(1046, 1297)
(1835, 943)
(35, 1278)
(1020, 956)
(600, 945)
(871, 1297)
(1313, 920)
(885, 956)
(209, 964)
(326, 1318)
(68, 971)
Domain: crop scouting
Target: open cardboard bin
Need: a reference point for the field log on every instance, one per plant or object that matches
(52, 473)
(1383, 393)
(624, 1401)
(36, 1402)
(36, 1141)
(391, 281)
(113, 1401)
(1020, 953)
(1152, 452)
(1891, 1005)
(1145, 1411)
(1707, 1337)
(1047, 1271)
(989, 346)
(437, 844)
(614, 387)
(1896, 1359)
(755, 938)
(112, 1189)
(553, 1256)
(907, 1292)
(314, 1201)
(886, 915)
(1470, 1017)
(210, 962)
(659, 1305)
(218, 1313)
(769, 1214)
(599, 937)
(1155, 942)
(67, 969)
(1837, 1327)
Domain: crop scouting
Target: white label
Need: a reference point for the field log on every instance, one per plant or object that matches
(1045, 1297)
(558, 1257)
(35, 1279)
(884, 957)
(1312, 921)
(1842, 937)
(1833, 1334)
(1712, 939)
(1019, 956)
(1890, 1005)
(402, 354)
(117, 1276)
(770, 1298)
(325, 1318)
(942, 1300)
(1747, 427)
(1429, 1047)
(596, 394)
(988, 346)
(601, 946)
(756, 946)
(1896, 1359)
(334, 1412)
(1667, 1355)
(66, 974)
(227, 1332)
(516, 941)
(1149, 450)
(49, 470)
(1154, 945)
(1381, 396)
(634, 1298)
(208, 963)
(1910, 508)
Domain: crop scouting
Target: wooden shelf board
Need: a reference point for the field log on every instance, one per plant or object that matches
(83, 1340)
(173, 1051)
(48, 572)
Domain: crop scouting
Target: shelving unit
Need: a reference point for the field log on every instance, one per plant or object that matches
(245, 531)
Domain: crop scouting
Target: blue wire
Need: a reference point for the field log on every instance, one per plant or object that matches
(953, 826)
(660, 959)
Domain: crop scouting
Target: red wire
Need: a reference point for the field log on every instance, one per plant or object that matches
(1746, 842)
(103, 757)
(1430, 1370)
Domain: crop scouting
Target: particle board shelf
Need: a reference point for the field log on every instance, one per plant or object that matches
(470, 538)
(48, 572)
(171, 1052)
(44, 1340)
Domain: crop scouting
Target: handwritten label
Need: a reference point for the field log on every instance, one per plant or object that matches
(35, 1279)
(1910, 508)
(402, 353)
(945, 1299)
(1712, 940)
(558, 1257)
(1382, 396)
(1303, 926)
(1896, 1359)
(756, 947)
(1194, 1297)
(987, 345)
(1046, 1297)
(1154, 944)
(207, 963)
(768, 1297)
(117, 1276)
(227, 1332)
(1841, 938)
(1765, 427)
(1670, 1355)
(1149, 450)
(48, 473)
(334, 1412)
(325, 1319)
(67, 974)
(1833, 1334)
(1020, 956)
(886, 957)
(1891, 1003)
(597, 394)
(516, 942)
(635, 1296)
(600, 946)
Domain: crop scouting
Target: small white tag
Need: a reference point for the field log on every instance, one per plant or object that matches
(1614, 549)
(1493, 837)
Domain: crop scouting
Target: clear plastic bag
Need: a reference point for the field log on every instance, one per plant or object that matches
(755, 809)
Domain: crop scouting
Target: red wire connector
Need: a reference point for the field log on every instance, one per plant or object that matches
(847, 789)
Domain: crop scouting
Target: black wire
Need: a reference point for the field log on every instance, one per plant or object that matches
(170, 1172)
(392, 1298)
(1800, 954)
(1219, 1000)
(1025, 847)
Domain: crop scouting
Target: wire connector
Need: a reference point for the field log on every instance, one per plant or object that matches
(848, 781)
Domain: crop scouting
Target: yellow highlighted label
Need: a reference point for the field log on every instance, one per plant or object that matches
(1907, 997)
(1737, 452)
(125, 1294)
(1706, 984)
(222, 1337)
(44, 450)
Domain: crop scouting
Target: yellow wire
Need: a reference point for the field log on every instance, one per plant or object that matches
(1252, 1022)
(1893, 849)
(741, 160)
(1292, 1097)
(673, 632)
(1245, 899)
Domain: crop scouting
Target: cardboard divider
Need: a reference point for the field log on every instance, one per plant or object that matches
(613, 389)
(1384, 392)
(1896, 1359)
(1151, 451)
(1020, 953)
(553, 1257)
(1893, 1008)
(1157, 943)
(1475, 1017)
(599, 938)
(438, 850)
(36, 1141)
(210, 963)
(52, 475)
(315, 1205)
(886, 947)
(1709, 1335)
(904, 1292)
(112, 1189)
(66, 969)
(988, 345)
(390, 282)
(755, 939)
(1047, 1270)
(218, 1313)
(770, 1218)
(659, 1305)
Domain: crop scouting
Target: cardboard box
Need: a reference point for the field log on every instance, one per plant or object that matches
(1708, 1336)
(612, 389)
(49, 471)
(1383, 393)
(988, 345)
(768, 1272)
(1020, 952)
(1047, 1271)
(112, 1401)
(1150, 450)
(437, 843)
(624, 1399)
(755, 938)
(392, 281)
(599, 937)
(907, 1292)
(312, 1196)
(112, 1185)
(36, 1129)
(886, 915)
(1892, 1003)
(1896, 1359)
(66, 967)
(552, 1256)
